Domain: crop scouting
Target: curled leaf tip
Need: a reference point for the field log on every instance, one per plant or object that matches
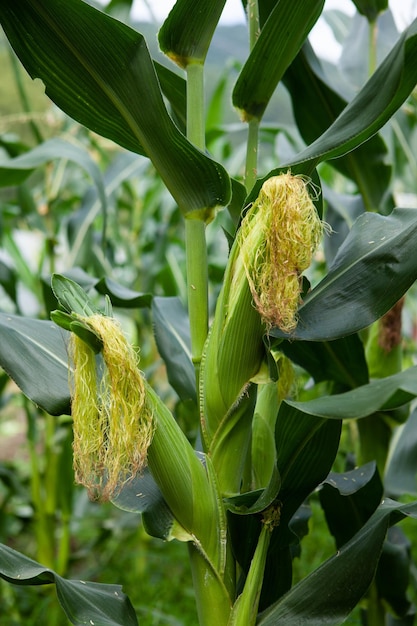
(113, 425)
(278, 237)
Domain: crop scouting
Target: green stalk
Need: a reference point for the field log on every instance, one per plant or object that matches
(251, 166)
(373, 32)
(197, 286)
(45, 551)
(195, 239)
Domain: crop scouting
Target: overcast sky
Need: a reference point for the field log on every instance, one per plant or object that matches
(233, 11)
(321, 37)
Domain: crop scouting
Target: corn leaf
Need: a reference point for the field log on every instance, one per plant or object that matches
(83, 602)
(280, 39)
(318, 109)
(172, 334)
(382, 394)
(373, 269)
(34, 354)
(186, 34)
(342, 360)
(371, 8)
(373, 106)
(99, 71)
(331, 592)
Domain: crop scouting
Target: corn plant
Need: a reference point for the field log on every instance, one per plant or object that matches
(237, 493)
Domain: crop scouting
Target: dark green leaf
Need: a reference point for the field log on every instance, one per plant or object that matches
(82, 602)
(122, 296)
(34, 354)
(342, 360)
(280, 39)
(317, 110)
(349, 499)
(174, 89)
(393, 572)
(172, 336)
(383, 394)
(8, 280)
(401, 474)
(330, 593)
(371, 8)
(373, 106)
(186, 34)
(141, 494)
(374, 268)
(99, 71)
(255, 501)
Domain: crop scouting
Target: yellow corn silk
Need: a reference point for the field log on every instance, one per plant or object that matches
(278, 237)
(112, 422)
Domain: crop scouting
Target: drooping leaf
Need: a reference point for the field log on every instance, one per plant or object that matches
(318, 109)
(99, 71)
(401, 473)
(280, 39)
(349, 500)
(330, 593)
(342, 360)
(374, 268)
(373, 106)
(83, 602)
(34, 354)
(123, 296)
(186, 34)
(141, 494)
(382, 394)
(371, 8)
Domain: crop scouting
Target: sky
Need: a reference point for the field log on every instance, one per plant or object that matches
(321, 37)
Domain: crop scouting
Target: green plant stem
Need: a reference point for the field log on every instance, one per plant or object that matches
(45, 552)
(195, 238)
(197, 286)
(195, 104)
(373, 32)
(253, 19)
(376, 612)
(251, 166)
(213, 602)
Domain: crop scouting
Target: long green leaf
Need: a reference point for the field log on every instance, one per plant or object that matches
(186, 34)
(172, 334)
(280, 39)
(34, 354)
(330, 593)
(99, 71)
(373, 269)
(318, 109)
(373, 106)
(83, 602)
(382, 394)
